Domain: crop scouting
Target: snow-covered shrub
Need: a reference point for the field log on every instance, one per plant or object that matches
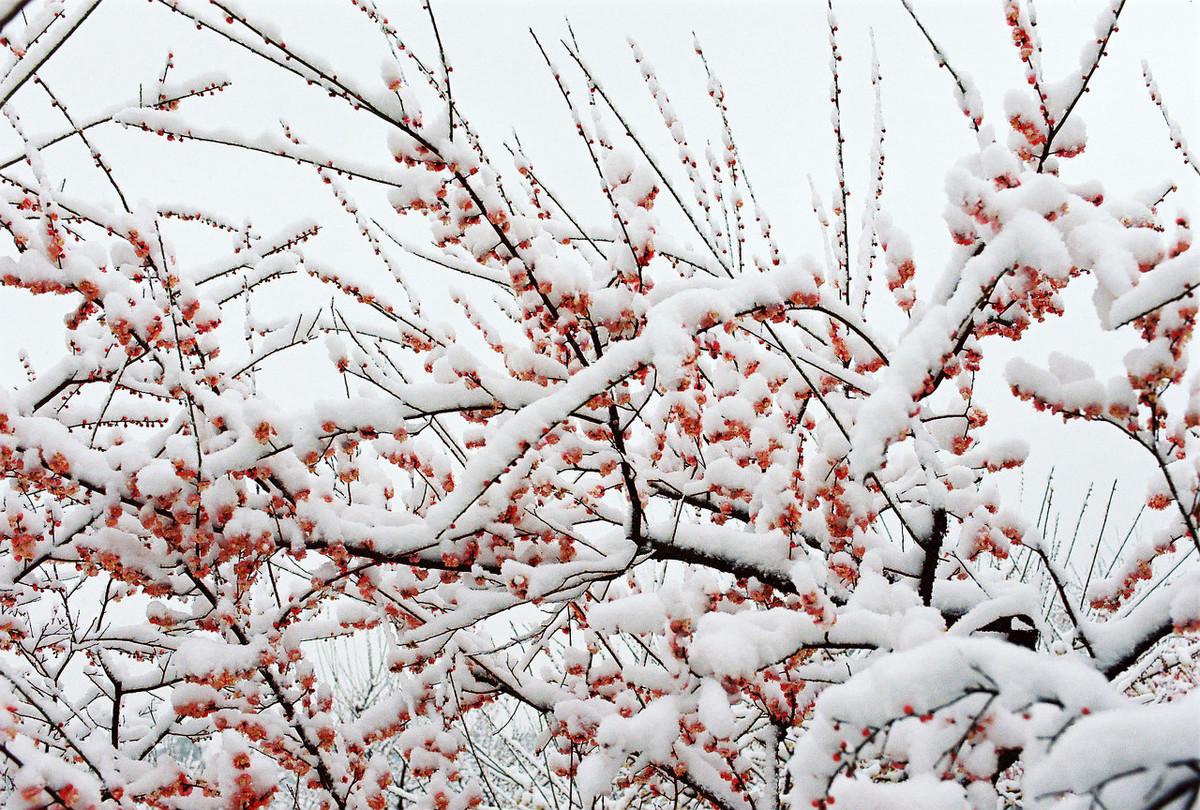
(730, 541)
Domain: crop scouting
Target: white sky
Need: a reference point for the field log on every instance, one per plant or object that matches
(773, 60)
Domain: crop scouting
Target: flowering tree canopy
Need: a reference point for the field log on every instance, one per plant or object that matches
(717, 531)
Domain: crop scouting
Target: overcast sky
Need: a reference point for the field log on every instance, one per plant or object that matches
(771, 56)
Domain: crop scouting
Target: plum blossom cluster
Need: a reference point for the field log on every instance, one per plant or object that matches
(682, 498)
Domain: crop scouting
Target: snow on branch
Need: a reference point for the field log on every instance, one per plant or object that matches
(458, 498)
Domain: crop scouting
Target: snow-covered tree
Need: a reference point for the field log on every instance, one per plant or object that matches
(647, 513)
